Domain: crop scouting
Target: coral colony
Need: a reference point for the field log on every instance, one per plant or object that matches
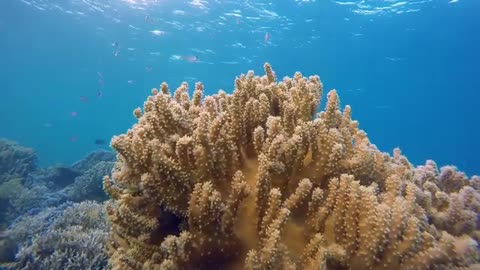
(46, 222)
(257, 179)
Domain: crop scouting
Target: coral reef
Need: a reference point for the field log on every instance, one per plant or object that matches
(15, 160)
(54, 177)
(92, 159)
(38, 190)
(16, 198)
(16, 163)
(51, 186)
(451, 200)
(70, 236)
(29, 203)
(258, 180)
(89, 186)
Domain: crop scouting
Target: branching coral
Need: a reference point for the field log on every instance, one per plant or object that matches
(88, 186)
(25, 192)
(451, 200)
(257, 180)
(65, 237)
(93, 159)
(15, 160)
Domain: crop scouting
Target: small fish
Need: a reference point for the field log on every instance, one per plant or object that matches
(133, 27)
(115, 44)
(74, 114)
(266, 38)
(178, 12)
(99, 94)
(130, 81)
(158, 32)
(147, 18)
(393, 59)
(100, 81)
(99, 74)
(116, 53)
(175, 57)
(83, 99)
(100, 142)
(190, 58)
(198, 4)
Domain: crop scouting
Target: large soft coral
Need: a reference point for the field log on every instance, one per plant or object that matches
(257, 180)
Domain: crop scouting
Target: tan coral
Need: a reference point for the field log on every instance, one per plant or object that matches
(257, 180)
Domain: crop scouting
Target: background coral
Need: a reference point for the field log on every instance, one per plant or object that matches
(71, 236)
(88, 186)
(55, 177)
(92, 159)
(50, 237)
(16, 198)
(258, 180)
(451, 200)
(52, 186)
(15, 160)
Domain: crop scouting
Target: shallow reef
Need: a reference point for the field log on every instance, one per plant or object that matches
(16, 163)
(30, 187)
(15, 160)
(69, 236)
(40, 226)
(88, 186)
(257, 179)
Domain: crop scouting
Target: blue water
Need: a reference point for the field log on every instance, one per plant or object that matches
(409, 69)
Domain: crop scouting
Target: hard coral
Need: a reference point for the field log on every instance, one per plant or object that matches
(71, 236)
(451, 200)
(93, 159)
(15, 160)
(88, 186)
(258, 180)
